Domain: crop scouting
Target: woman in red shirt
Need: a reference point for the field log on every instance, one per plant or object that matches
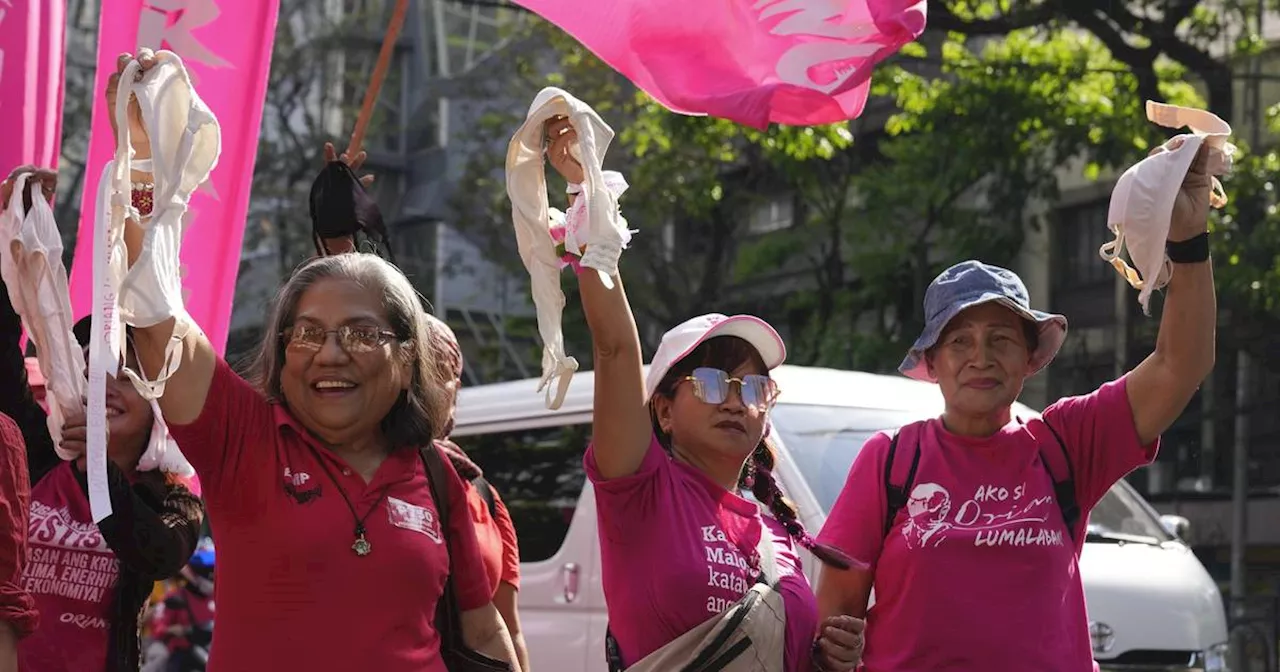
(17, 609)
(494, 530)
(89, 581)
(333, 554)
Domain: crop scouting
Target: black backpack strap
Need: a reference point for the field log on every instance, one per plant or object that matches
(1064, 490)
(448, 620)
(612, 654)
(895, 493)
(486, 493)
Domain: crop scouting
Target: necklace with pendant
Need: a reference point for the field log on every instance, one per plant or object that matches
(361, 545)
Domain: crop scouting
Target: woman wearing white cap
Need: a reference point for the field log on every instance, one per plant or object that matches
(972, 523)
(670, 460)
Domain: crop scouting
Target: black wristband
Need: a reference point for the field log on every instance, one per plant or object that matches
(1190, 251)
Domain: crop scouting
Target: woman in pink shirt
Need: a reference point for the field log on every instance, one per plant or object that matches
(674, 459)
(971, 524)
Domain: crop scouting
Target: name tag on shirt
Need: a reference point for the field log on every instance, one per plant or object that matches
(413, 517)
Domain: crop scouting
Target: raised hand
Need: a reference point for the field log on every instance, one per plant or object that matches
(345, 244)
(559, 136)
(331, 155)
(138, 137)
(75, 437)
(48, 180)
(1190, 216)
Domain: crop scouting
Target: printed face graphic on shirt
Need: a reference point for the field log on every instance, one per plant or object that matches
(993, 516)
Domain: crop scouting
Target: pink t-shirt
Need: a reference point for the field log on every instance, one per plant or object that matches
(674, 548)
(978, 571)
(72, 573)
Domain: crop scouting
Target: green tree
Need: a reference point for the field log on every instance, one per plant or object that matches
(1218, 46)
(976, 146)
(692, 178)
(961, 148)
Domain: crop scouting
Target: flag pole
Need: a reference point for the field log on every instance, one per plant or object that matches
(375, 81)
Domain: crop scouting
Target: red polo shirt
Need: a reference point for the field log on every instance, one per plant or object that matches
(17, 607)
(496, 536)
(291, 593)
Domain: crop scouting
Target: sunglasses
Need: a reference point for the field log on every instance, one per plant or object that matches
(711, 386)
(352, 338)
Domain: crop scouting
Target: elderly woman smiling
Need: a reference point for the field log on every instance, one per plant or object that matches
(331, 553)
(972, 523)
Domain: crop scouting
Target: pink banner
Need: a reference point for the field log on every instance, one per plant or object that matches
(32, 62)
(226, 46)
(800, 62)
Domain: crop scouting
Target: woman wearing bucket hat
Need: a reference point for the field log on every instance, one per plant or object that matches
(972, 523)
(672, 456)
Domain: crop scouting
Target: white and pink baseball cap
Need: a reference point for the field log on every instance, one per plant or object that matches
(685, 337)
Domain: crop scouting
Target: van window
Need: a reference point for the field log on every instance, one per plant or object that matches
(822, 440)
(539, 474)
(1122, 511)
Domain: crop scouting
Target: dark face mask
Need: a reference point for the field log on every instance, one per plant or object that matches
(341, 208)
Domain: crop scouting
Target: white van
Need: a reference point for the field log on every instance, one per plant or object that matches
(1152, 605)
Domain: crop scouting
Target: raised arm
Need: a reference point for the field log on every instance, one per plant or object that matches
(187, 389)
(154, 524)
(1162, 385)
(16, 398)
(623, 436)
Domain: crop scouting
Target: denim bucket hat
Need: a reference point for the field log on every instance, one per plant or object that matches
(971, 283)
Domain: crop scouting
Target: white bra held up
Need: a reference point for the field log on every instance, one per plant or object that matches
(1141, 206)
(185, 142)
(595, 224)
(31, 265)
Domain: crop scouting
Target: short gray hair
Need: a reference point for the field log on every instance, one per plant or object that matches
(422, 412)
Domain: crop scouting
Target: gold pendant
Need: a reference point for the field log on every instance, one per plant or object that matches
(361, 546)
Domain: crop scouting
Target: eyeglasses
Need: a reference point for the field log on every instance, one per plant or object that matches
(352, 338)
(711, 386)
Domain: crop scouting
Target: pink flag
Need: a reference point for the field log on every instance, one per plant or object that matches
(32, 61)
(799, 62)
(226, 46)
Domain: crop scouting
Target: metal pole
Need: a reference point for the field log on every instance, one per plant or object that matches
(441, 257)
(1240, 452)
(1239, 498)
(1209, 434)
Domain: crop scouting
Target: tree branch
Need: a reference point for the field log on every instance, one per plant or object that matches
(942, 18)
(1140, 61)
(1176, 14)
